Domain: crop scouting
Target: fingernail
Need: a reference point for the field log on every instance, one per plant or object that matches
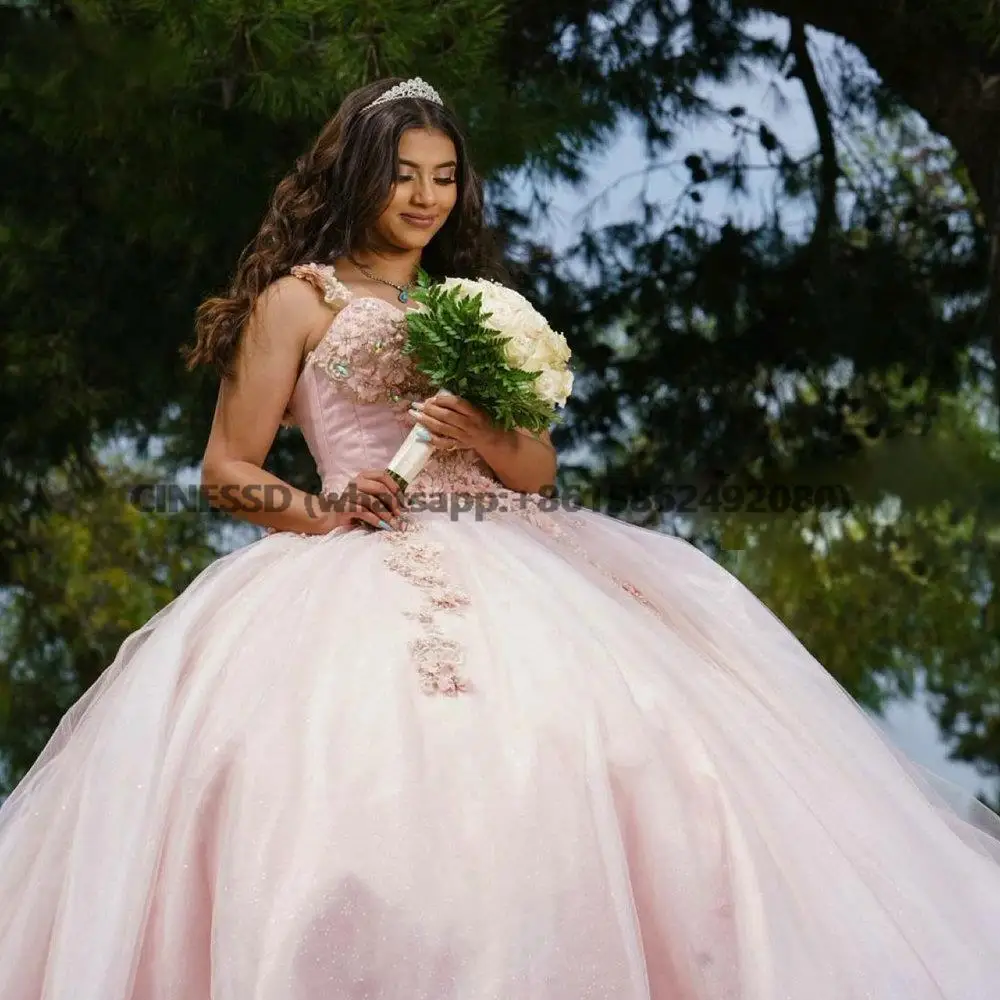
(417, 405)
(384, 526)
(423, 434)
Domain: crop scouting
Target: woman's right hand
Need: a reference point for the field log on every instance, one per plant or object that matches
(372, 497)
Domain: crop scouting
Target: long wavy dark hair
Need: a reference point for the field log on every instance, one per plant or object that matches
(328, 205)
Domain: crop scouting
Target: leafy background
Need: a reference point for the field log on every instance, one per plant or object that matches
(779, 313)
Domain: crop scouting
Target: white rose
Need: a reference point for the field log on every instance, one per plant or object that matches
(509, 317)
(540, 359)
(554, 386)
(551, 351)
(467, 286)
(518, 350)
(511, 313)
(496, 300)
(559, 347)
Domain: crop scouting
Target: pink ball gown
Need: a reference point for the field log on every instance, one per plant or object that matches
(524, 755)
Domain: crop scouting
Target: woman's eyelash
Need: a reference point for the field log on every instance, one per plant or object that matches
(437, 180)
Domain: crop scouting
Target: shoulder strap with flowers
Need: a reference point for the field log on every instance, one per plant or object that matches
(324, 278)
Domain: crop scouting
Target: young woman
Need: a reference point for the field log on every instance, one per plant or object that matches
(460, 752)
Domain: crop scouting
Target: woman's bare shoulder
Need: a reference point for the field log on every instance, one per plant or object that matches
(288, 303)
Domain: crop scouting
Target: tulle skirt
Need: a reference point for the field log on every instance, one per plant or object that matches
(549, 757)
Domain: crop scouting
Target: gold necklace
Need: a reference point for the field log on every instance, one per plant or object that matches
(404, 290)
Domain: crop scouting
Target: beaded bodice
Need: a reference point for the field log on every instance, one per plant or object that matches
(355, 388)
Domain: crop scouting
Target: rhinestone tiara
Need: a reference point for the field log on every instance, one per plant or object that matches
(414, 87)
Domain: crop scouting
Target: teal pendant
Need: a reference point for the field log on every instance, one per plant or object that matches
(404, 296)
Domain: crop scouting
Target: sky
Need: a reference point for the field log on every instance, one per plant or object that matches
(781, 103)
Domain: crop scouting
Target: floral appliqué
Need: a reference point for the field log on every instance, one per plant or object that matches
(368, 360)
(464, 473)
(438, 659)
(630, 588)
(537, 510)
(457, 472)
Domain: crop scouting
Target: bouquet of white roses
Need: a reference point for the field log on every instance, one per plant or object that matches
(486, 343)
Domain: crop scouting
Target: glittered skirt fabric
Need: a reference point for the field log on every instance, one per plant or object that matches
(550, 758)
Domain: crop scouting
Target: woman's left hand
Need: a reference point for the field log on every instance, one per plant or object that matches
(453, 422)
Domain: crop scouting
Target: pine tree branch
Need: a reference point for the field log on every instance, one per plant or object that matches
(805, 69)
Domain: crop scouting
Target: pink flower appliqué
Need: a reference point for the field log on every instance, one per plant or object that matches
(630, 588)
(365, 357)
(532, 510)
(437, 658)
(324, 278)
(460, 471)
(368, 361)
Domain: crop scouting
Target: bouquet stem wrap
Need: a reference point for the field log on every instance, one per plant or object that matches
(412, 456)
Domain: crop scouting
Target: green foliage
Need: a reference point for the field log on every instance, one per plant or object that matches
(884, 599)
(90, 571)
(452, 345)
(142, 139)
(899, 586)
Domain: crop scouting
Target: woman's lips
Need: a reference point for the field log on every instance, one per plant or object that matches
(420, 221)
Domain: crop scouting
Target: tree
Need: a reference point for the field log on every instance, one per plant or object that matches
(888, 591)
(707, 351)
(95, 567)
(717, 355)
(940, 59)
